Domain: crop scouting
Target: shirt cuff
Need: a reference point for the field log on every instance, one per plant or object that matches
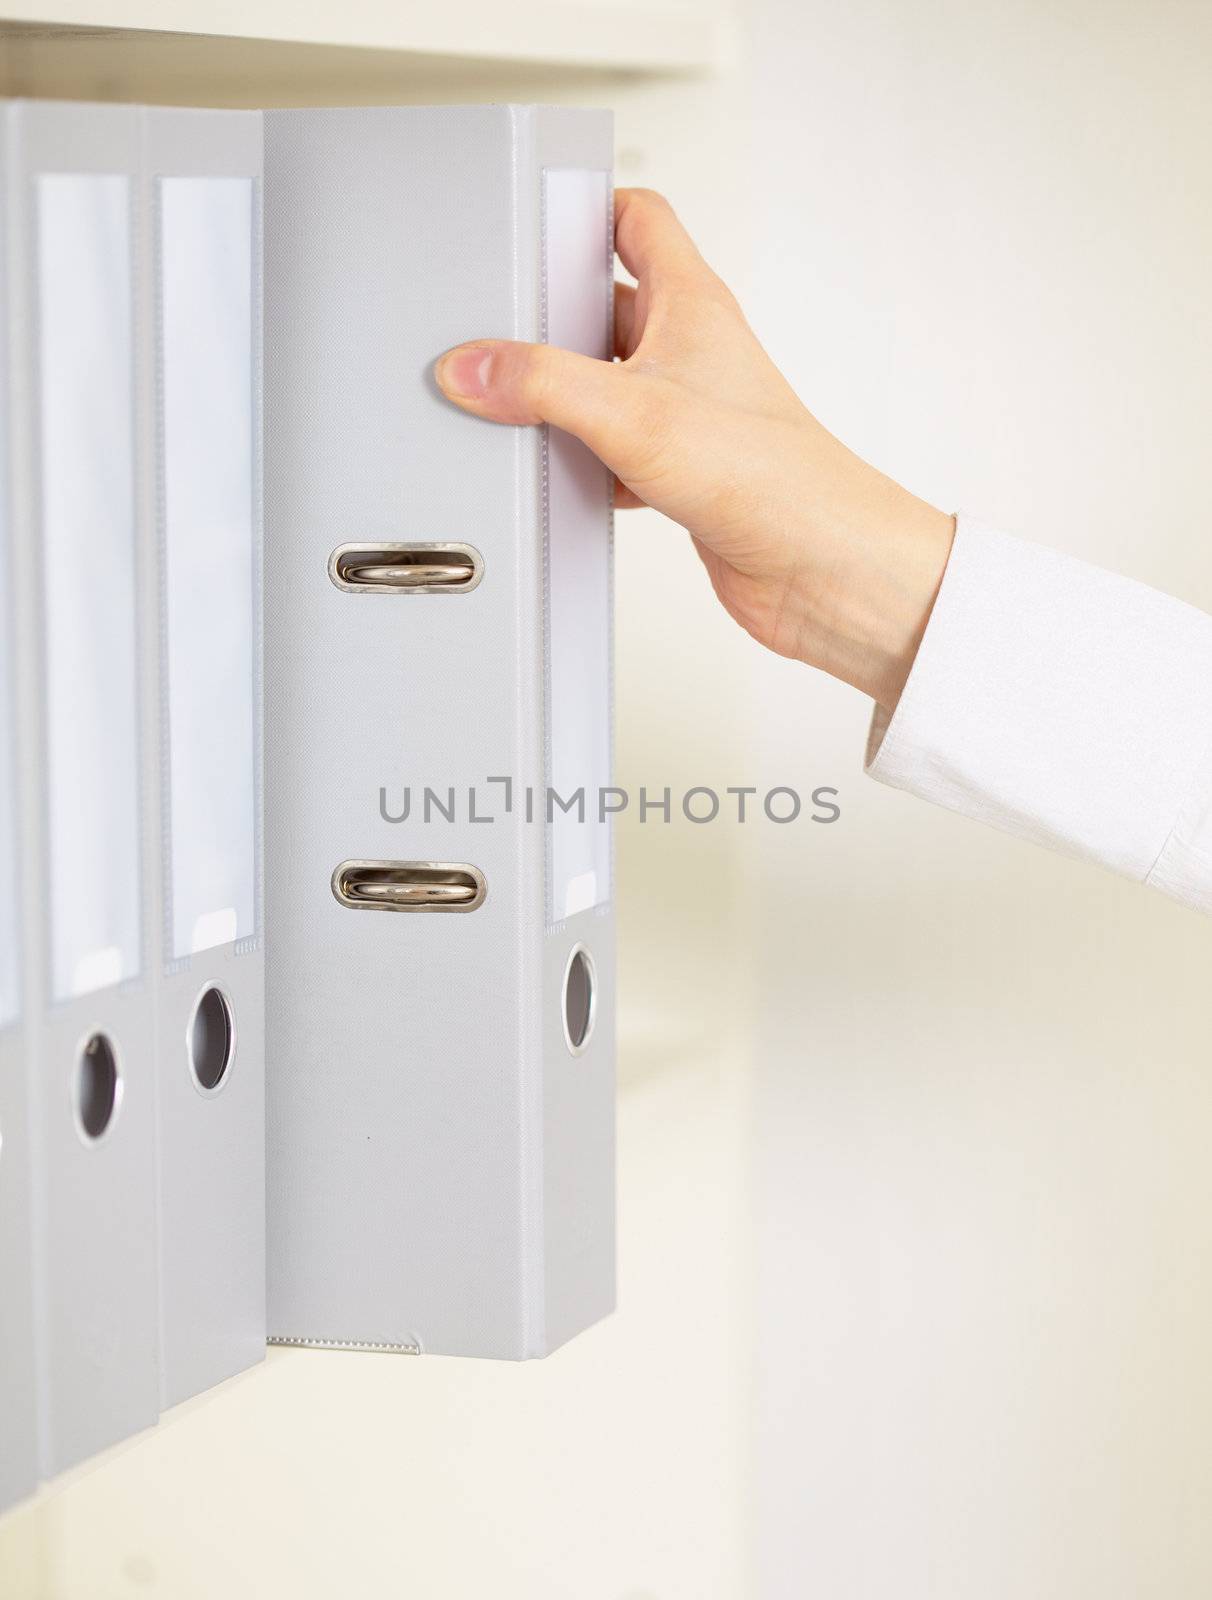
(1065, 704)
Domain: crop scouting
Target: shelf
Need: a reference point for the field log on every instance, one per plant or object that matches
(364, 36)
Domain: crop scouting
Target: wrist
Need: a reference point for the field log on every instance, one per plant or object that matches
(870, 601)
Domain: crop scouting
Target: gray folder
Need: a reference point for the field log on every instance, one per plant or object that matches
(88, 732)
(438, 619)
(202, 171)
(440, 994)
(133, 326)
(18, 1387)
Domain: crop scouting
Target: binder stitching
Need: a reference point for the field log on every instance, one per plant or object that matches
(9, 711)
(531, 1151)
(610, 545)
(549, 910)
(412, 1348)
(257, 340)
(160, 517)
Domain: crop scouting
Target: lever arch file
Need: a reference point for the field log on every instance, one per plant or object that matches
(73, 180)
(133, 329)
(439, 991)
(438, 618)
(202, 171)
(18, 1387)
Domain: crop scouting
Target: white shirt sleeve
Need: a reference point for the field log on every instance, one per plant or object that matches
(1065, 704)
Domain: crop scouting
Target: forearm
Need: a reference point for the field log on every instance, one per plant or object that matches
(858, 610)
(1011, 683)
(1065, 704)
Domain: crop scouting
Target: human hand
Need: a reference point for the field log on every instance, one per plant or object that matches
(819, 556)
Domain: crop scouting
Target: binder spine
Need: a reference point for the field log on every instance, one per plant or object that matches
(564, 258)
(417, 1131)
(84, 731)
(575, 270)
(131, 1173)
(18, 1386)
(202, 360)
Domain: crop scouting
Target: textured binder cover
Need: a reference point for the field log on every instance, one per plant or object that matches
(87, 734)
(202, 177)
(440, 1161)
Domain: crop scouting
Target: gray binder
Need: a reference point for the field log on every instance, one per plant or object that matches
(88, 735)
(439, 618)
(134, 362)
(202, 172)
(18, 1387)
(440, 994)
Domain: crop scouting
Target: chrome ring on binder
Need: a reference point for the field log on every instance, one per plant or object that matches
(405, 568)
(409, 886)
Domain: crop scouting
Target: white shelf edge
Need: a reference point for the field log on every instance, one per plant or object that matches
(594, 34)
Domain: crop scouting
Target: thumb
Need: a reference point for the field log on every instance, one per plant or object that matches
(526, 383)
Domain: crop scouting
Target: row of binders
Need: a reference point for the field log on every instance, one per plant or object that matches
(132, 987)
(275, 1062)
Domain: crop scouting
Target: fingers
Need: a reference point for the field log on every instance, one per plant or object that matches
(650, 240)
(619, 412)
(625, 335)
(526, 383)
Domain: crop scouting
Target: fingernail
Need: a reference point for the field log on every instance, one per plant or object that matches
(463, 373)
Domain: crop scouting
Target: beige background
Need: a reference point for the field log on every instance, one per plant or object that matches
(916, 1217)
(983, 1212)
